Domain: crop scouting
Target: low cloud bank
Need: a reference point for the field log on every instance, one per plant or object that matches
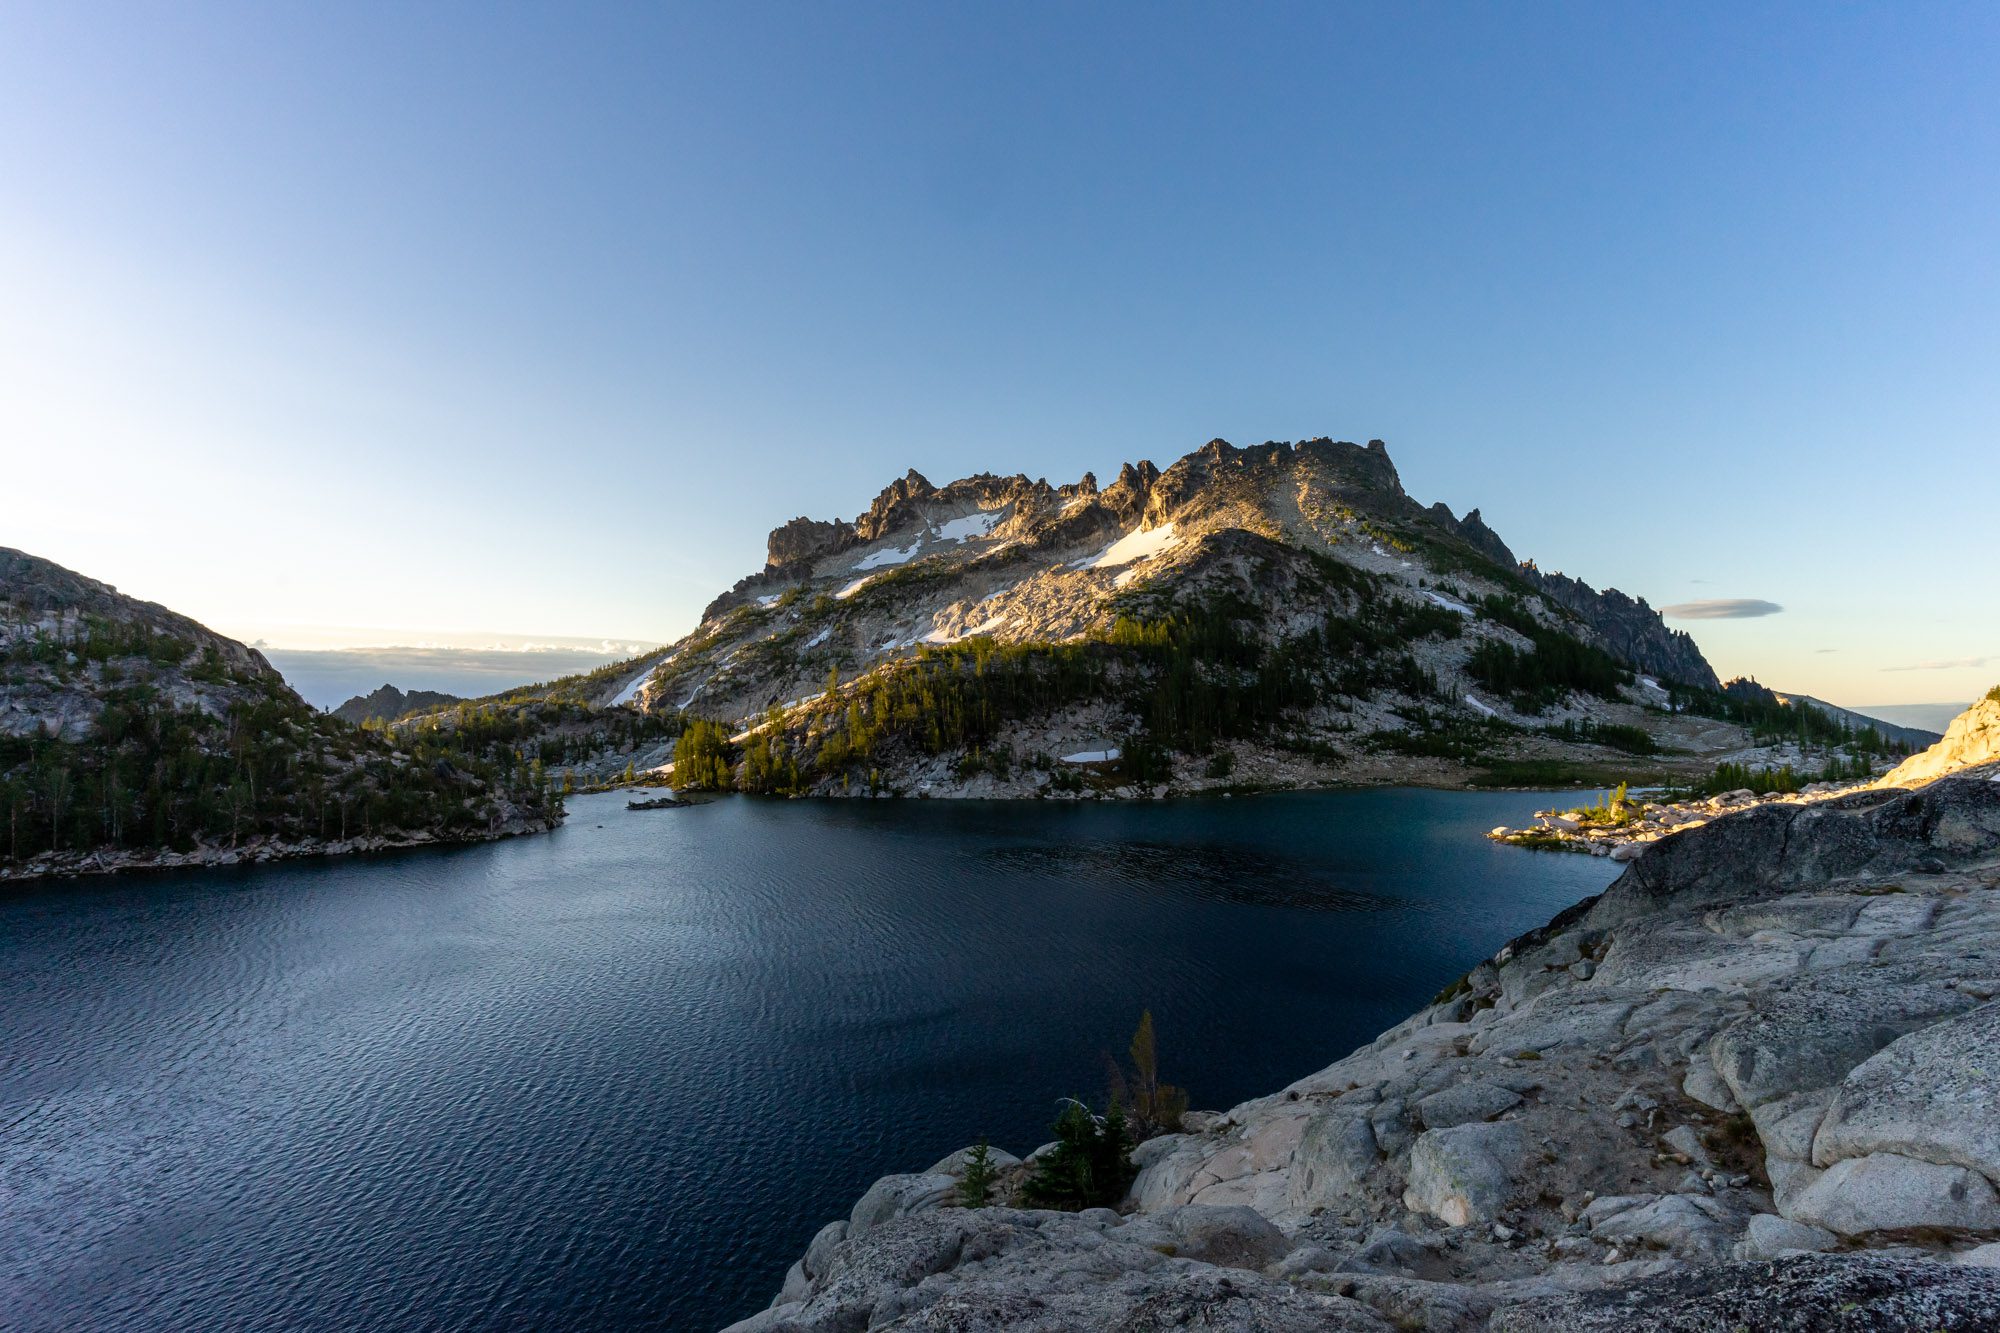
(328, 678)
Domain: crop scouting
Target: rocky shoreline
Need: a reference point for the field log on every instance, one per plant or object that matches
(1650, 821)
(251, 851)
(1972, 739)
(1750, 1086)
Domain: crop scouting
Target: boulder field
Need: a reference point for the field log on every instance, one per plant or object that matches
(1754, 1085)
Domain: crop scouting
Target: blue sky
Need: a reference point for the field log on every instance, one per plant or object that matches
(496, 324)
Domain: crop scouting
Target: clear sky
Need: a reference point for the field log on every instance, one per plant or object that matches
(503, 323)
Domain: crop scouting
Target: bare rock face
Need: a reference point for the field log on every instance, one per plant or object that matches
(1628, 626)
(1887, 1192)
(1933, 1095)
(894, 507)
(899, 1196)
(1694, 1224)
(1226, 1235)
(1771, 1237)
(1773, 849)
(1806, 1030)
(807, 539)
(1885, 1294)
(993, 1269)
(1337, 1152)
(1476, 534)
(1464, 1103)
(1473, 528)
(1467, 1173)
(1127, 496)
(1972, 739)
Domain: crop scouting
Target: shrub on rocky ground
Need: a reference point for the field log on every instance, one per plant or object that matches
(1090, 1164)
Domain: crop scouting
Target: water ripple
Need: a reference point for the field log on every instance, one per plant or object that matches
(618, 1075)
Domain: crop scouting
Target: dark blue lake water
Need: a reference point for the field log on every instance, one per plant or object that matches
(617, 1076)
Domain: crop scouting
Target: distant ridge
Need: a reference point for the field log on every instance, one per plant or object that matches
(389, 703)
(1915, 737)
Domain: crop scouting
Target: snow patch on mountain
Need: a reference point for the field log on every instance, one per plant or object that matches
(1104, 756)
(1450, 603)
(888, 556)
(971, 526)
(631, 688)
(1133, 547)
(985, 627)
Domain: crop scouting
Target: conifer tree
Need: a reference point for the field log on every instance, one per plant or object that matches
(1091, 1163)
(975, 1187)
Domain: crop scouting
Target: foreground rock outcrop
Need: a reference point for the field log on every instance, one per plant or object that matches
(1753, 1085)
(1973, 738)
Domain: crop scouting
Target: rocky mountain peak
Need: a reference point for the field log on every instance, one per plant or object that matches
(388, 703)
(1126, 496)
(894, 507)
(1306, 561)
(1473, 531)
(1207, 478)
(1473, 528)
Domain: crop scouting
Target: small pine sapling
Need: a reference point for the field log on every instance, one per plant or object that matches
(975, 1187)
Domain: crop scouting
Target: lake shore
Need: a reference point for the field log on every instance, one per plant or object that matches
(251, 851)
(521, 1065)
(1730, 1084)
(1624, 834)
